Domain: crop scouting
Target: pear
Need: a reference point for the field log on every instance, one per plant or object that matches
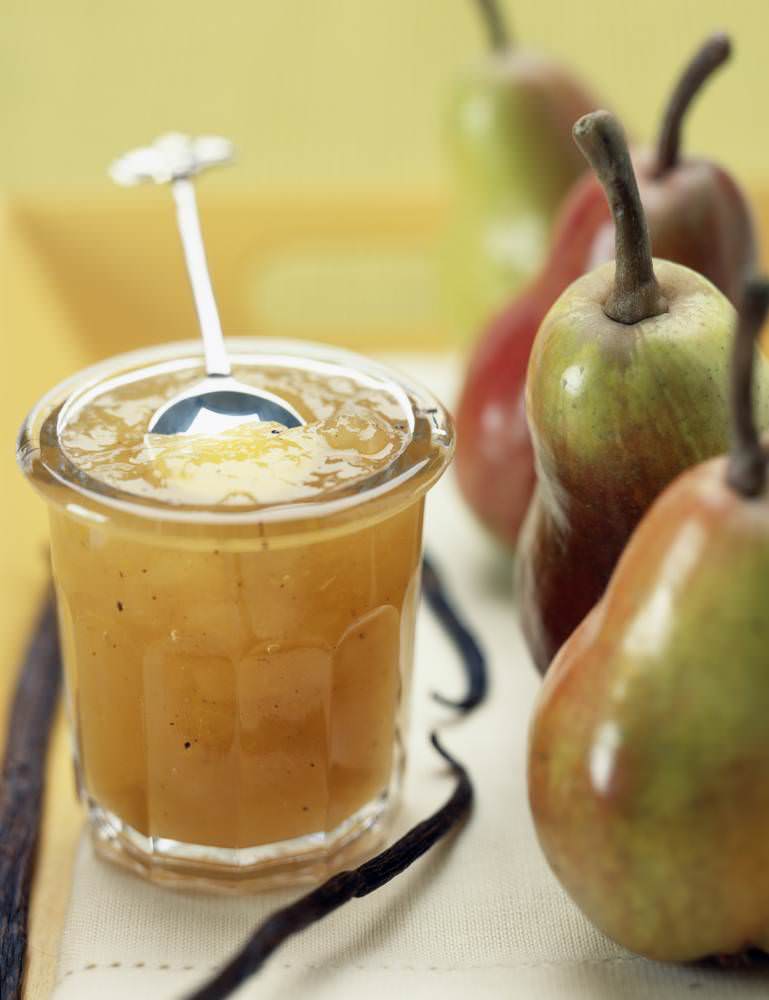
(509, 143)
(626, 388)
(697, 216)
(649, 745)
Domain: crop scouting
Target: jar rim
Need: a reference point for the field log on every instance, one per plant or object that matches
(95, 500)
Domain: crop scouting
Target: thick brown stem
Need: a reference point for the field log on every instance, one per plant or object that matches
(636, 294)
(496, 25)
(712, 53)
(746, 469)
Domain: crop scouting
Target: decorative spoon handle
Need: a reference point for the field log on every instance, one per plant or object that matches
(176, 159)
(217, 362)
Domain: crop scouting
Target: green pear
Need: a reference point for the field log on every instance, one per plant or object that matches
(649, 745)
(626, 387)
(509, 143)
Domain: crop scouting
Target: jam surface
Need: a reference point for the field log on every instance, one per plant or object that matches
(353, 431)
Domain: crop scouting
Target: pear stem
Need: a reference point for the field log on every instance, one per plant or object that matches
(713, 53)
(496, 25)
(746, 468)
(636, 294)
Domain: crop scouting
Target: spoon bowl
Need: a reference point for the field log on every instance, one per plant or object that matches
(219, 403)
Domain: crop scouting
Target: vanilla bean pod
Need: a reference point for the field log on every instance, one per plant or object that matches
(341, 888)
(473, 659)
(21, 792)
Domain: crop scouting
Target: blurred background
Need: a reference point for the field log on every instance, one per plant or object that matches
(337, 94)
(335, 223)
(332, 223)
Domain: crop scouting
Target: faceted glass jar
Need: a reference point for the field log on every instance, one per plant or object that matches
(237, 675)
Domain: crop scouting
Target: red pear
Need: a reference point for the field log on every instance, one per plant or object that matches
(697, 216)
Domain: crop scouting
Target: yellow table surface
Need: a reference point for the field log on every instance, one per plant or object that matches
(81, 278)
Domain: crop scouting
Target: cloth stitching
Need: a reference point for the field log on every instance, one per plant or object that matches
(609, 959)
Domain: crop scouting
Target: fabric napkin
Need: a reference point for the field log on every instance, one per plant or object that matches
(480, 914)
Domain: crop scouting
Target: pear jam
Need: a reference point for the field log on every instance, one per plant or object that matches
(237, 610)
(351, 432)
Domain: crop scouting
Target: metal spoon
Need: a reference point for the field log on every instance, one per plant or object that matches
(219, 401)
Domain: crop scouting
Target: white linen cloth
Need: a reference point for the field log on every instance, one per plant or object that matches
(480, 914)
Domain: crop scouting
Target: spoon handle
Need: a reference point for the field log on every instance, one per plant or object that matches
(217, 361)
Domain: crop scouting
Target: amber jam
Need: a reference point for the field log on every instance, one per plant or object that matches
(237, 610)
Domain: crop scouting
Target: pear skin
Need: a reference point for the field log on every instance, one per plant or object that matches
(649, 746)
(615, 413)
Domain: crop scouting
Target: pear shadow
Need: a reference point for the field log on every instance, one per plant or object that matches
(751, 961)
(751, 966)
(606, 980)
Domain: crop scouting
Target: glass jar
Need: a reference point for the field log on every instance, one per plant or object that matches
(237, 674)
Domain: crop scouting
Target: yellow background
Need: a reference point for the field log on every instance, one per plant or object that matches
(337, 93)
